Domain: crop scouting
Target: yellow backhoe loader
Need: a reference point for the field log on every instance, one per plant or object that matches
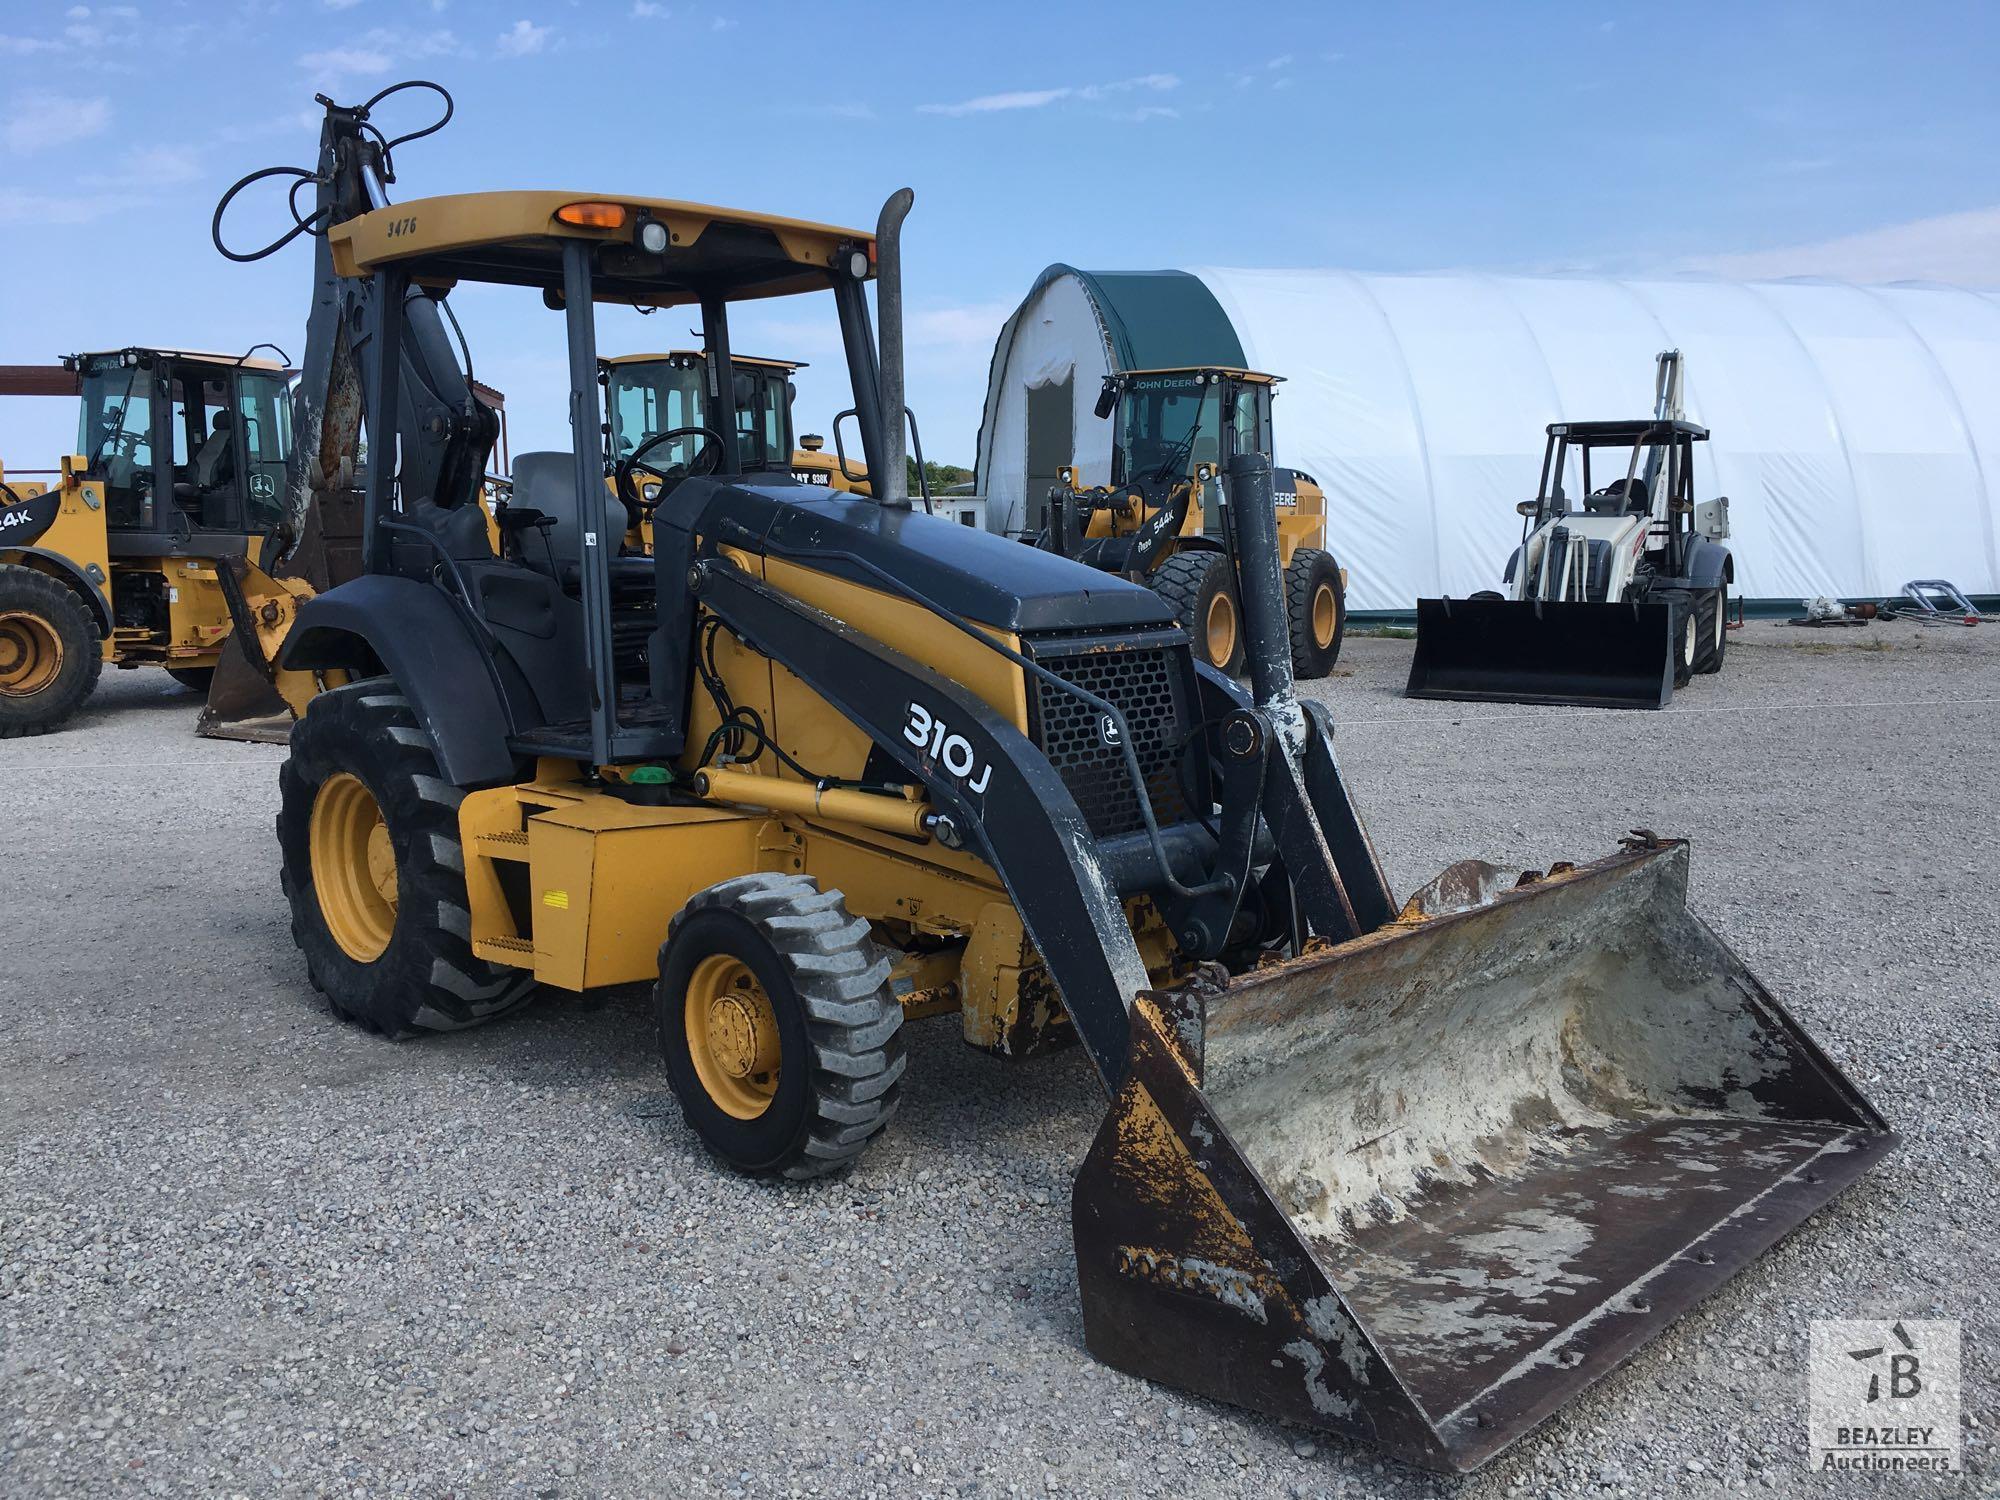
(1165, 518)
(1415, 1172)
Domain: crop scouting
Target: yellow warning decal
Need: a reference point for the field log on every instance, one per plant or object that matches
(558, 899)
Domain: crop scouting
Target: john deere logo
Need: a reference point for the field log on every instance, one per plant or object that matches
(262, 486)
(1107, 732)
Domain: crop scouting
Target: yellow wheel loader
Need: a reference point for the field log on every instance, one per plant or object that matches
(126, 558)
(1413, 1172)
(1165, 518)
(649, 394)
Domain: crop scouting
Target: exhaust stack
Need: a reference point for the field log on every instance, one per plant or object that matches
(892, 486)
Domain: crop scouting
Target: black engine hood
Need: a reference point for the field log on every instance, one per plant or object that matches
(990, 580)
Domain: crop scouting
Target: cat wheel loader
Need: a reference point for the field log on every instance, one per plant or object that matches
(128, 559)
(1413, 1172)
(1611, 606)
(1165, 521)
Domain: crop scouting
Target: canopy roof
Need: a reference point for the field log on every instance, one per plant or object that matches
(1637, 430)
(695, 355)
(516, 239)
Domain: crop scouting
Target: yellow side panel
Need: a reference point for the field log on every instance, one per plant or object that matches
(822, 739)
(197, 614)
(78, 533)
(605, 878)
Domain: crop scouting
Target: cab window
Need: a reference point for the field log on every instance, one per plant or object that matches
(115, 436)
(264, 415)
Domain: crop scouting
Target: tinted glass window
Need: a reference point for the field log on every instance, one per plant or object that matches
(1166, 425)
(115, 436)
(264, 412)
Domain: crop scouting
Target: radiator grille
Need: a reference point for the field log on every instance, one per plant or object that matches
(1147, 688)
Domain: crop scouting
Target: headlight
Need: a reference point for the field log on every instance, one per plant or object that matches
(653, 237)
(651, 491)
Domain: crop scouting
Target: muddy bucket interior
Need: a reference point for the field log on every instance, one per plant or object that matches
(1513, 651)
(1423, 1188)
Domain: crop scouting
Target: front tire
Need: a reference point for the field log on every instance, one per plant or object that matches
(1316, 605)
(194, 679)
(374, 873)
(781, 1034)
(1198, 586)
(50, 658)
(1714, 628)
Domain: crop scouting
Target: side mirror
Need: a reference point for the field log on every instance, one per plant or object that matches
(1107, 399)
(1528, 508)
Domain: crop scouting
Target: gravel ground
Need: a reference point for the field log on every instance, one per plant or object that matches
(247, 1250)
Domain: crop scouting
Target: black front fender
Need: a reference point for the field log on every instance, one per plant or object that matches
(422, 641)
(75, 577)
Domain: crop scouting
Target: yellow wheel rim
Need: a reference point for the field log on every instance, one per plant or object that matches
(1220, 629)
(732, 1036)
(353, 867)
(31, 653)
(1325, 615)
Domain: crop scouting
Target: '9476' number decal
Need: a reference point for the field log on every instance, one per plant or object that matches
(932, 735)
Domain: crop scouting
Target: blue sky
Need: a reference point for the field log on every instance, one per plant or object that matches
(1757, 140)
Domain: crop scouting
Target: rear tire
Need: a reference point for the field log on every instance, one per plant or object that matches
(374, 873)
(1198, 587)
(50, 656)
(1316, 606)
(194, 679)
(781, 1034)
(1713, 630)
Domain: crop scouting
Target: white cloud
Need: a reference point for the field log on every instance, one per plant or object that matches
(151, 167)
(646, 10)
(28, 46)
(1040, 98)
(1962, 248)
(78, 12)
(524, 39)
(340, 4)
(345, 62)
(375, 51)
(721, 23)
(35, 126)
(61, 208)
(972, 326)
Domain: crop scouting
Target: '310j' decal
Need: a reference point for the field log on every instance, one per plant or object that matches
(932, 735)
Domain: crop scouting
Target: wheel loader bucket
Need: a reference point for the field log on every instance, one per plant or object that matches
(1526, 651)
(1421, 1188)
(242, 703)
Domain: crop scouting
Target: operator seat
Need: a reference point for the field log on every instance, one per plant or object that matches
(546, 483)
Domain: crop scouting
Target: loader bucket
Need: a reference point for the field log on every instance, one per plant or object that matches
(242, 704)
(1526, 651)
(1422, 1188)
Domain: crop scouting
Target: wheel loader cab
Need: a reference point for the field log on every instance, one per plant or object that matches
(189, 448)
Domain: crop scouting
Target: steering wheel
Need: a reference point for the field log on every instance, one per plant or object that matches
(705, 461)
